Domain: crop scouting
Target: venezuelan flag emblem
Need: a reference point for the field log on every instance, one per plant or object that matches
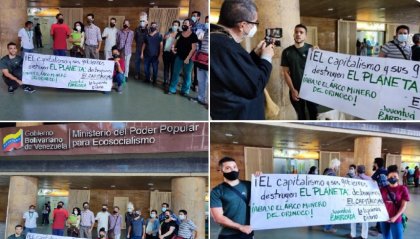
(13, 141)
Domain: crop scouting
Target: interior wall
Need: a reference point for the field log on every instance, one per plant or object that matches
(327, 29)
(140, 199)
(4, 192)
(217, 152)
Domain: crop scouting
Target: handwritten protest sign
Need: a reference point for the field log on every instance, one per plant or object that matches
(42, 236)
(290, 200)
(67, 72)
(367, 87)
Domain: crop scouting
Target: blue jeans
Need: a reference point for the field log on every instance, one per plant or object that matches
(58, 232)
(119, 78)
(392, 230)
(59, 52)
(26, 50)
(154, 62)
(30, 230)
(202, 77)
(187, 69)
(138, 62)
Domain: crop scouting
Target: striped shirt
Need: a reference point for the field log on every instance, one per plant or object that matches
(186, 229)
(205, 43)
(92, 35)
(392, 51)
(125, 40)
(87, 218)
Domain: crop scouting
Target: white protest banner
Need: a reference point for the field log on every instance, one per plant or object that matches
(42, 236)
(367, 87)
(67, 72)
(297, 200)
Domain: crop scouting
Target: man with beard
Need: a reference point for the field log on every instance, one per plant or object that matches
(229, 203)
(293, 63)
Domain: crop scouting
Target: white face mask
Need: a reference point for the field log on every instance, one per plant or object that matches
(78, 28)
(182, 217)
(75, 212)
(153, 215)
(142, 24)
(402, 37)
(252, 32)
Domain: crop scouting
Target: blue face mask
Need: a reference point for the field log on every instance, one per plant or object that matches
(392, 180)
(194, 19)
(163, 209)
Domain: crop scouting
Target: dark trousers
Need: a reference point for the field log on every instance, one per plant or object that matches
(38, 41)
(151, 237)
(168, 65)
(154, 62)
(416, 182)
(45, 219)
(237, 236)
(10, 83)
(195, 79)
(300, 108)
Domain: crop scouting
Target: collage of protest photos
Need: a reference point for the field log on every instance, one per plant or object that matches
(209, 119)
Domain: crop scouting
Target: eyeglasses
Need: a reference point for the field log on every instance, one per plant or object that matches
(256, 23)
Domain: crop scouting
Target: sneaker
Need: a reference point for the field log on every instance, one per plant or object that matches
(170, 93)
(184, 94)
(11, 90)
(29, 89)
(119, 89)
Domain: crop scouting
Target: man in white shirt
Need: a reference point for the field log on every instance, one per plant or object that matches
(102, 218)
(30, 220)
(26, 37)
(110, 37)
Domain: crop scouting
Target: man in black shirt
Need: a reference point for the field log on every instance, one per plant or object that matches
(11, 67)
(415, 49)
(293, 61)
(238, 78)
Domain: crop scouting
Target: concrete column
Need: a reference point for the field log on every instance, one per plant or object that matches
(13, 17)
(23, 192)
(273, 14)
(201, 6)
(366, 149)
(28, 124)
(188, 193)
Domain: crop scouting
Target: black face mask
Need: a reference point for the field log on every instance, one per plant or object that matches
(115, 212)
(185, 28)
(136, 215)
(59, 206)
(125, 26)
(152, 29)
(60, 21)
(392, 180)
(103, 209)
(233, 175)
(112, 24)
(115, 56)
(167, 217)
(374, 168)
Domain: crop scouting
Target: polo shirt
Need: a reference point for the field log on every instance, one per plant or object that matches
(27, 38)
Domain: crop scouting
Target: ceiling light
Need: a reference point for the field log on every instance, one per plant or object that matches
(112, 186)
(385, 149)
(382, 9)
(77, 4)
(150, 184)
(110, 0)
(330, 9)
(235, 142)
(151, 189)
(228, 135)
(348, 149)
(152, 3)
(85, 187)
